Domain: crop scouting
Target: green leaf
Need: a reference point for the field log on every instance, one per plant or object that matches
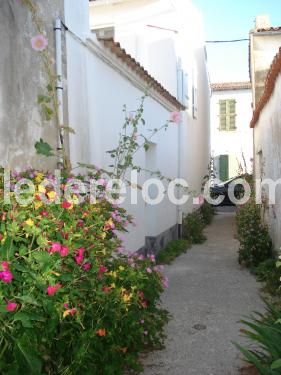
(26, 318)
(43, 99)
(43, 148)
(276, 364)
(28, 356)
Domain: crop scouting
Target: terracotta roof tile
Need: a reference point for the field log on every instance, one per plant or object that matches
(116, 48)
(274, 71)
(278, 28)
(231, 86)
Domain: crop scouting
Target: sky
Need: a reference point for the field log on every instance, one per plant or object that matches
(227, 20)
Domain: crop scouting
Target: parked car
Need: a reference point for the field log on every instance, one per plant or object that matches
(225, 188)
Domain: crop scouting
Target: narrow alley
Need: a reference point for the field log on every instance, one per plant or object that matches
(209, 293)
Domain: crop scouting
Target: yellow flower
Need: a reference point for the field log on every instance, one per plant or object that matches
(103, 235)
(52, 195)
(39, 177)
(74, 199)
(113, 286)
(41, 189)
(29, 222)
(127, 297)
(38, 204)
(121, 268)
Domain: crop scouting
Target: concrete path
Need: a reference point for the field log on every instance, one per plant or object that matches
(209, 293)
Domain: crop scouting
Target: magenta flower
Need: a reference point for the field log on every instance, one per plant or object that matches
(102, 270)
(79, 257)
(64, 251)
(56, 247)
(11, 306)
(39, 43)
(52, 289)
(175, 117)
(87, 266)
(6, 276)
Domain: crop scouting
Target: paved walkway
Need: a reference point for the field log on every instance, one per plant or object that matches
(208, 294)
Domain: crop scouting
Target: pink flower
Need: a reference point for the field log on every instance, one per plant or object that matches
(148, 270)
(56, 247)
(175, 117)
(87, 266)
(6, 276)
(64, 251)
(102, 270)
(79, 257)
(102, 182)
(5, 266)
(142, 321)
(52, 289)
(165, 282)
(11, 306)
(39, 43)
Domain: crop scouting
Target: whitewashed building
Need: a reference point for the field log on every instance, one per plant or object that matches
(231, 136)
(266, 122)
(153, 47)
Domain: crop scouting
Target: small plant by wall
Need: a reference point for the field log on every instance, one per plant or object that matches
(172, 251)
(255, 243)
(264, 330)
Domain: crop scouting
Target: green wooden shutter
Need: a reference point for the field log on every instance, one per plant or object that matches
(231, 114)
(224, 167)
(227, 114)
(222, 104)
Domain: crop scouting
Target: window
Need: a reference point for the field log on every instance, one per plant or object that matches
(227, 114)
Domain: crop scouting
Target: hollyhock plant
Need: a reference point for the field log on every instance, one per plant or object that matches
(39, 43)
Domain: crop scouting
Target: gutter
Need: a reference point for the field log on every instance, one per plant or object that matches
(59, 86)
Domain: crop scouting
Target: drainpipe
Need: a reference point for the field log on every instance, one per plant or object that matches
(179, 169)
(59, 86)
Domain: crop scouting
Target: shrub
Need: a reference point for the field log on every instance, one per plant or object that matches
(193, 226)
(255, 243)
(265, 331)
(173, 250)
(70, 300)
(268, 272)
(207, 212)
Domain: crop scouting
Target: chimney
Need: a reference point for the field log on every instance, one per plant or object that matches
(262, 21)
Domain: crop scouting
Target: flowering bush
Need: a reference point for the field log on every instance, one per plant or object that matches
(255, 243)
(193, 226)
(71, 301)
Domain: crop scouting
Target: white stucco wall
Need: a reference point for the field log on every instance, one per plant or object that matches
(267, 139)
(263, 47)
(159, 49)
(97, 93)
(235, 143)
